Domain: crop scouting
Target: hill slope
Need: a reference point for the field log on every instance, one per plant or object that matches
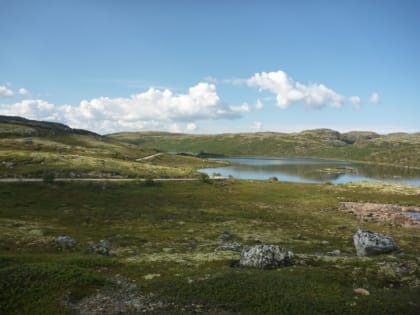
(398, 149)
(32, 149)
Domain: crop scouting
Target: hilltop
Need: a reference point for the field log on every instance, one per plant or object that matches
(400, 149)
(30, 148)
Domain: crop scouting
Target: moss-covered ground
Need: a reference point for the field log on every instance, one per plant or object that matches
(164, 236)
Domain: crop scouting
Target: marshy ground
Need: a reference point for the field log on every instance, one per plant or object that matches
(164, 238)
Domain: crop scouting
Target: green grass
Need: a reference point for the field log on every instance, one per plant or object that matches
(164, 238)
(28, 150)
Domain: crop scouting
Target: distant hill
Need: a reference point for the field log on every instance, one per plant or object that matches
(30, 148)
(400, 149)
(12, 125)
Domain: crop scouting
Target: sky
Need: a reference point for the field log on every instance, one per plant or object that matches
(212, 66)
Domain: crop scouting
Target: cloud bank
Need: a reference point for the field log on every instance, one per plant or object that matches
(151, 109)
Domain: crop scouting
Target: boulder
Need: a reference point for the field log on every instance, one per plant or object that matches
(226, 236)
(66, 241)
(265, 256)
(369, 243)
(101, 248)
(233, 246)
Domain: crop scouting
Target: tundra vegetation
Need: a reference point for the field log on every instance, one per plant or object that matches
(150, 247)
(398, 149)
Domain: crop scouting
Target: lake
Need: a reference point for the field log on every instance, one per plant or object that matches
(307, 170)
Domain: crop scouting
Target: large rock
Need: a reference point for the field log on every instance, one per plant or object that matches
(265, 256)
(101, 248)
(66, 241)
(369, 243)
(233, 246)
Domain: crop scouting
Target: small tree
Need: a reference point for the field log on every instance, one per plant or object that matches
(204, 178)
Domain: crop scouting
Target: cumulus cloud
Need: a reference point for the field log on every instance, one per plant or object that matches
(6, 92)
(288, 92)
(23, 91)
(375, 99)
(34, 109)
(244, 108)
(150, 109)
(355, 100)
(259, 104)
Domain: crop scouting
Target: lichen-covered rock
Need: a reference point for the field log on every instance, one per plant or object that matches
(233, 246)
(265, 256)
(101, 248)
(65, 241)
(369, 243)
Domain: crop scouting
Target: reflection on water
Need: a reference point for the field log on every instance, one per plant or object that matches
(314, 171)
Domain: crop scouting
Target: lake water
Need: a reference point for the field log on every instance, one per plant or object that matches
(313, 171)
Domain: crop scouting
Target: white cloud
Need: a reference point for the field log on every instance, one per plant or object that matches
(355, 100)
(150, 109)
(244, 108)
(23, 91)
(259, 104)
(6, 92)
(191, 127)
(375, 99)
(34, 109)
(287, 91)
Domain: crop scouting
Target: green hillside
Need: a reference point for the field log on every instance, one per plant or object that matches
(31, 148)
(398, 149)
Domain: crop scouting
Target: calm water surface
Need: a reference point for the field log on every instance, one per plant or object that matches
(313, 171)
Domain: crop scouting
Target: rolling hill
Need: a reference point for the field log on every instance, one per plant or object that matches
(399, 149)
(30, 148)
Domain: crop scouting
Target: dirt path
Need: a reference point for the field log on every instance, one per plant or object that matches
(148, 157)
(29, 180)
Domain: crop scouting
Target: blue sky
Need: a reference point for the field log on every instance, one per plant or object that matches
(212, 66)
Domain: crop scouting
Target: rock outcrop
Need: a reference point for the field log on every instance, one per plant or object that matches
(265, 256)
(65, 242)
(233, 246)
(369, 243)
(101, 248)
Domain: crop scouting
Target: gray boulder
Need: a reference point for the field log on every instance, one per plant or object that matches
(233, 246)
(265, 256)
(101, 248)
(65, 241)
(369, 243)
(226, 236)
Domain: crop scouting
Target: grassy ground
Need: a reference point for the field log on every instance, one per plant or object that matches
(164, 238)
(75, 155)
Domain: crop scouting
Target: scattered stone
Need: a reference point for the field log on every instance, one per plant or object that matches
(233, 246)
(226, 236)
(265, 256)
(123, 298)
(65, 241)
(101, 248)
(325, 243)
(369, 243)
(334, 253)
(395, 215)
(361, 291)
